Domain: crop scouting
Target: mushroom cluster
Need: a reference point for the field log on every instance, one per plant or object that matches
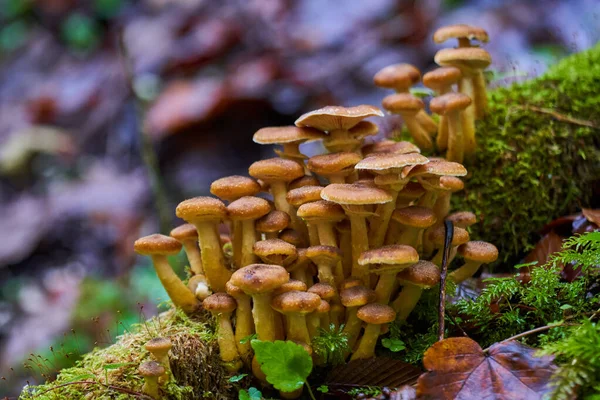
(349, 238)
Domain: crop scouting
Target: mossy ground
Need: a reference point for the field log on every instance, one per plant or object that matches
(539, 152)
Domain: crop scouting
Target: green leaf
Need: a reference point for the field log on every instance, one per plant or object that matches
(286, 364)
(115, 366)
(323, 389)
(248, 338)
(394, 345)
(250, 394)
(237, 378)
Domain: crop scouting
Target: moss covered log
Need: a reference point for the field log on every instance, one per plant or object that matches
(539, 152)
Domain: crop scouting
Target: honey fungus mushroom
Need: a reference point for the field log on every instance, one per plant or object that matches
(221, 305)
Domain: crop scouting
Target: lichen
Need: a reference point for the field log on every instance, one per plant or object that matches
(539, 151)
(111, 372)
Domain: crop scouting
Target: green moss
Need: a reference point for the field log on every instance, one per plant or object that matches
(111, 373)
(539, 150)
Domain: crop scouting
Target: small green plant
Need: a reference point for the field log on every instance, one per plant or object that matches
(251, 394)
(331, 345)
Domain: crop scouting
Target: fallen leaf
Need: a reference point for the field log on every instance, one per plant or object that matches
(548, 245)
(459, 369)
(591, 215)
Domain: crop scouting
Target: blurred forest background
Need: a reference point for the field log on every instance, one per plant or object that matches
(98, 98)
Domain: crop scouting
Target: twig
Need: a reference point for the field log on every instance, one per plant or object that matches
(111, 387)
(558, 116)
(532, 331)
(453, 320)
(449, 230)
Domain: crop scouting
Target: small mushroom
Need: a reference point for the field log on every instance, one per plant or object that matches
(299, 268)
(306, 180)
(295, 305)
(198, 285)
(271, 224)
(416, 278)
(413, 219)
(452, 184)
(327, 259)
(328, 293)
(244, 325)
(319, 318)
(462, 219)
(322, 215)
(290, 137)
(389, 146)
(298, 197)
(437, 235)
(374, 315)
(408, 106)
(158, 247)
(352, 298)
(247, 210)
(221, 305)
(275, 251)
(475, 254)
(451, 105)
(159, 347)
(151, 371)
(186, 234)
(336, 167)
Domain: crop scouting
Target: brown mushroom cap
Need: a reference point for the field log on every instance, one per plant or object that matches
(334, 163)
(462, 219)
(479, 251)
(437, 236)
(201, 208)
(292, 284)
(323, 307)
(412, 190)
(350, 282)
(424, 274)
(275, 251)
(234, 291)
(364, 129)
(326, 254)
(449, 102)
(376, 314)
(403, 103)
(452, 183)
(276, 170)
(184, 232)
(274, 221)
(305, 194)
(259, 278)
(158, 344)
(331, 118)
(293, 237)
(460, 31)
(465, 58)
(296, 302)
(392, 255)
(390, 146)
(151, 369)
(324, 290)
(248, 207)
(415, 216)
(233, 187)
(355, 194)
(286, 134)
(219, 303)
(356, 296)
(390, 162)
(157, 245)
(438, 168)
(321, 210)
(441, 78)
(398, 76)
(305, 180)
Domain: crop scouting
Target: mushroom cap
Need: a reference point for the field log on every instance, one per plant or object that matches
(158, 344)
(401, 103)
(415, 216)
(391, 179)
(233, 187)
(324, 290)
(247, 208)
(274, 221)
(364, 129)
(452, 183)
(276, 170)
(286, 134)
(438, 168)
(449, 102)
(356, 296)
(477, 250)
(467, 59)
(462, 219)
(151, 369)
(438, 234)
(334, 163)
(323, 307)
(441, 78)
(460, 31)
(306, 180)
(376, 314)
(184, 232)
(396, 255)
(424, 274)
(219, 303)
(304, 194)
(390, 162)
(296, 301)
(397, 76)
(157, 244)
(259, 278)
(331, 118)
(292, 284)
(321, 210)
(275, 251)
(389, 146)
(234, 291)
(293, 237)
(324, 254)
(302, 261)
(412, 190)
(355, 194)
(350, 282)
(201, 208)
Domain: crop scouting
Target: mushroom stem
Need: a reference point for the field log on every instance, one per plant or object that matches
(385, 212)
(419, 134)
(465, 271)
(279, 191)
(406, 300)
(179, 293)
(313, 234)
(426, 122)
(467, 117)
(437, 259)
(360, 244)
(151, 387)
(480, 94)
(212, 255)
(296, 328)
(366, 346)
(456, 137)
(244, 327)
(313, 323)
(193, 255)
(248, 239)
(441, 140)
(410, 236)
(385, 287)
(227, 343)
(353, 326)
(441, 208)
(326, 233)
(264, 317)
(237, 243)
(346, 248)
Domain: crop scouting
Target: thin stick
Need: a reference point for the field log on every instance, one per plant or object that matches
(449, 230)
(532, 331)
(558, 116)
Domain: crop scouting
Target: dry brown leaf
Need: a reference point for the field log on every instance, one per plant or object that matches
(591, 215)
(459, 369)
